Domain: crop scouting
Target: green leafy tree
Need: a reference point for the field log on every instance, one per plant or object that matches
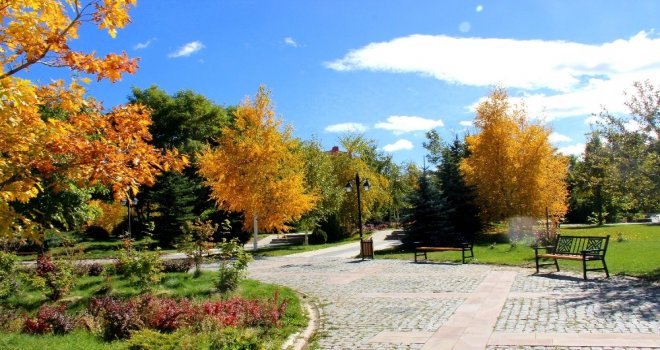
(187, 121)
(634, 148)
(320, 179)
(592, 183)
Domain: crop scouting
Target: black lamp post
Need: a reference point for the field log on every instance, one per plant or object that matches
(349, 188)
(127, 203)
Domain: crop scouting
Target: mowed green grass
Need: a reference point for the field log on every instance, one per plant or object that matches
(633, 250)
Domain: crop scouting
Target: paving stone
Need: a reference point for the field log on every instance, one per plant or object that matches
(408, 297)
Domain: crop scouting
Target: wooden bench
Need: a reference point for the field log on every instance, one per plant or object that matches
(465, 247)
(577, 248)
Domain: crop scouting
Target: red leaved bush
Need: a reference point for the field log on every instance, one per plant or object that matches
(238, 312)
(118, 317)
(49, 319)
(166, 314)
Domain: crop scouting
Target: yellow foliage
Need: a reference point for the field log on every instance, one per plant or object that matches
(111, 215)
(512, 164)
(255, 169)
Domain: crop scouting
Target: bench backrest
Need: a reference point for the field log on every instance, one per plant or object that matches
(577, 244)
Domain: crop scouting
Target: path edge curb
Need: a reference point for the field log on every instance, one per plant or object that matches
(301, 340)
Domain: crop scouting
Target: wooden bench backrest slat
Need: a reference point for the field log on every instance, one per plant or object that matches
(576, 244)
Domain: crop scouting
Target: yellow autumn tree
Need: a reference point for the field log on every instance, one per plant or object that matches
(255, 168)
(512, 164)
(53, 134)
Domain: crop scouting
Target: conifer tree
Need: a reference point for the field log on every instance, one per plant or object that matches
(427, 221)
(458, 194)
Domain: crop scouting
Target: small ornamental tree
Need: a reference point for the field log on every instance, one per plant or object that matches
(197, 241)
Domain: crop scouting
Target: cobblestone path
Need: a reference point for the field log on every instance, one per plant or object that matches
(392, 304)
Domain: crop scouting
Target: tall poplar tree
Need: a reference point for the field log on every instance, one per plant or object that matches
(512, 164)
(256, 168)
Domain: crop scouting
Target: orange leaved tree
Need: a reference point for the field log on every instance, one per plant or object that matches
(53, 135)
(511, 162)
(256, 168)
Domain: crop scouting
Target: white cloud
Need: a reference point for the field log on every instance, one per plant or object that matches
(558, 138)
(574, 150)
(144, 45)
(464, 27)
(401, 144)
(187, 49)
(593, 119)
(557, 78)
(346, 127)
(466, 123)
(289, 41)
(400, 124)
(479, 8)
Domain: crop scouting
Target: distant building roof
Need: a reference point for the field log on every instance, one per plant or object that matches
(334, 150)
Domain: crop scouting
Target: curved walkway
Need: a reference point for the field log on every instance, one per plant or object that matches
(394, 304)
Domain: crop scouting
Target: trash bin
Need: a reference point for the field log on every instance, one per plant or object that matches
(367, 248)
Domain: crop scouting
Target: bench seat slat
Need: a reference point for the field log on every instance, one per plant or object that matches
(466, 248)
(439, 249)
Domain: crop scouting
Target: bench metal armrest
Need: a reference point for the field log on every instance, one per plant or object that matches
(593, 252)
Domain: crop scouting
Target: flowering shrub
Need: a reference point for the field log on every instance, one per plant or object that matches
(118, 318)
(166, 314)
(49, 319)
(95, 269)
(56, 278)
(177, 265)
(142, 268)
(238, 312)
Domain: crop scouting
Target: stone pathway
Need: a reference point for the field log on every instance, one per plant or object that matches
(392, 304)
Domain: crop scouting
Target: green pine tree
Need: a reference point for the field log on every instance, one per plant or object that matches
(459, 195)
(427, 221)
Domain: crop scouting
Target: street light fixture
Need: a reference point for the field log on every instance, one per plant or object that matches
(349, 188)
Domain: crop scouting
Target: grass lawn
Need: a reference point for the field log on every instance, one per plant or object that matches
(98, 249)
(632, 250)
(172, 285)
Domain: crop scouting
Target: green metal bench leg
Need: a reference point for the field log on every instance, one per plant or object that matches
(607, 273)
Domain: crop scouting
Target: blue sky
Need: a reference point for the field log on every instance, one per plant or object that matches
(392, 69)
